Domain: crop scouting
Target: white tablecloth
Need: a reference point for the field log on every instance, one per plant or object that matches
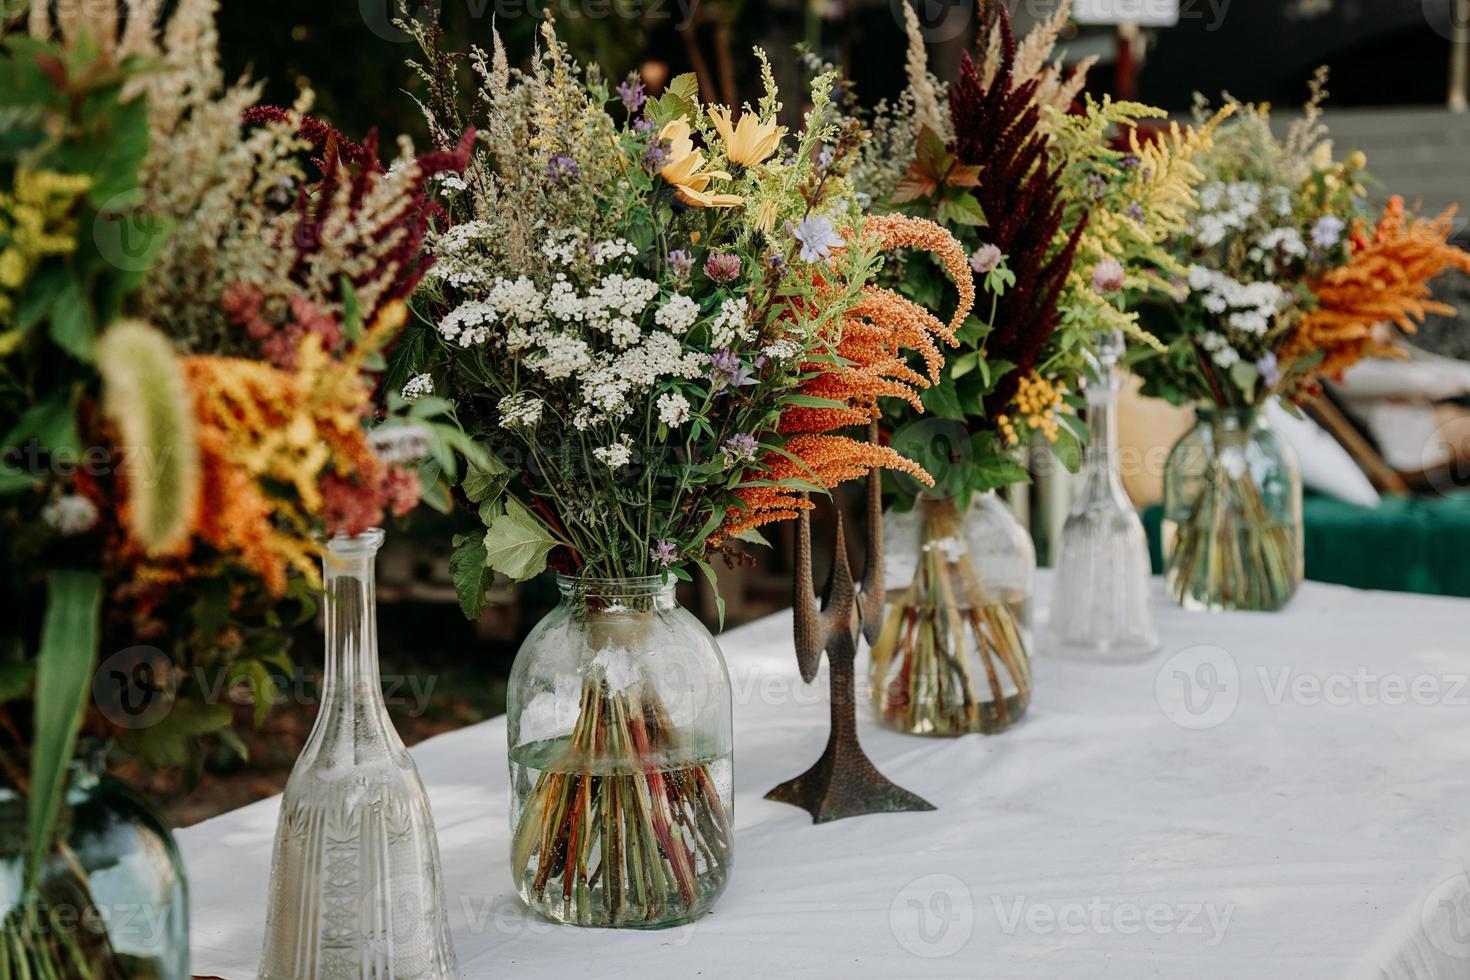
(1270, 796)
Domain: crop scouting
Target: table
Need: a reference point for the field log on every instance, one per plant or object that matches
(1272, 795)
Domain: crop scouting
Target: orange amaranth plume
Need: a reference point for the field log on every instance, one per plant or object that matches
(870, 364)
(1387, 279)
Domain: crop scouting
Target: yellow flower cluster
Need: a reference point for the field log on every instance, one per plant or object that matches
(1038, 402)
(36, 221)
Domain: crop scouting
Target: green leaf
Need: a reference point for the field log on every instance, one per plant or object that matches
(172, 741)
(480, 485)
(944, 401)
(714, 584)
(351, 312)
(517, 543)
(63, 681)
(963, 209)
(467, 568)
(71, 323)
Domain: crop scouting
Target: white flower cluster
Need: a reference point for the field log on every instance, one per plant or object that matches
(618, 455)
(1247, 306)
(520, 410)
(730, 324)
(612, 250)
(1229, 206)
(607, 388)
(782, 351)
(417, 387)
(673, 410)
(564, 245)
(678, 314)
(1220, 350)
(613, 304)
(456, 261)
(1277, 241)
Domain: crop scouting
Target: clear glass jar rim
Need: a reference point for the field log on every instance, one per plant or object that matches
(604, 585)
(1211, 411)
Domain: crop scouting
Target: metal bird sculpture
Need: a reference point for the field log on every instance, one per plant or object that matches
(843, 782)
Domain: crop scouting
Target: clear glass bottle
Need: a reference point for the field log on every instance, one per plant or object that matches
(110, 901)
(1232, 514)
(953, 656)
(1099, 607)
(619, 724)
(356, 890)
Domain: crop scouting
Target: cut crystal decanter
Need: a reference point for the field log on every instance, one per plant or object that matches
(356, 890)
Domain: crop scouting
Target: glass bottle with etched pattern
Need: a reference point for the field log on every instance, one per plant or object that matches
(356, 890)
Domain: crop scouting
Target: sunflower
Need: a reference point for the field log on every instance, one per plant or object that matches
(750, 141)
(685, 170)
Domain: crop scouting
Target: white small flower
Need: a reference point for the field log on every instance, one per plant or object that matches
(730, 324)
(781, 351)
(561, 356)
(417, 387)
(673, 410)
(451, 182)
(678, 314)
(70, 514)
(520, 410)
(616, 456)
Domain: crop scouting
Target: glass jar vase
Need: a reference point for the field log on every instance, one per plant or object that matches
(953, 655)
(619, 725)
(1232, 514)
(1100, 603)
(356, 889)
(109, 901)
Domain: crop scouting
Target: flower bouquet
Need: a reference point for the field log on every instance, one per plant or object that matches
(659, 315)
(1057, 222)
(184, 395)
(1288, 278)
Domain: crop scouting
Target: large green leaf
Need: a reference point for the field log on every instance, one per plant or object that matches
(467, 568)
(63, 679)
(517, 543)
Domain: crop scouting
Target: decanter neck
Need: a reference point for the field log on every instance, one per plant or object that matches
(350, 604)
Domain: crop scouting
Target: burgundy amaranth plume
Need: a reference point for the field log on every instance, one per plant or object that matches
(340, 159)
(997, 127)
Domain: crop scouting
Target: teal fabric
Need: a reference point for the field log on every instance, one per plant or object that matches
(1406, 544)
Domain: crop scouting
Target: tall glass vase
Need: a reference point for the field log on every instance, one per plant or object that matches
(356, 890)
(619, 724)
(953, 657)
(1232, 514)
(110, 902)
(1099, 608)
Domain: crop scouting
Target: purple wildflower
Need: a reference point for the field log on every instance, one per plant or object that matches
(1269, 370)
(984, 259)
(1129, 162)
(1135, 211)
(642, 124)
(1108, 276)
(1327, 232)
(561, 168)
(817, 237)
(656, 155)
(722, 267)
(663, 552)
(681, 262)
(740, 448)
(727, 370)
(1095, 186)
(631, 92)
